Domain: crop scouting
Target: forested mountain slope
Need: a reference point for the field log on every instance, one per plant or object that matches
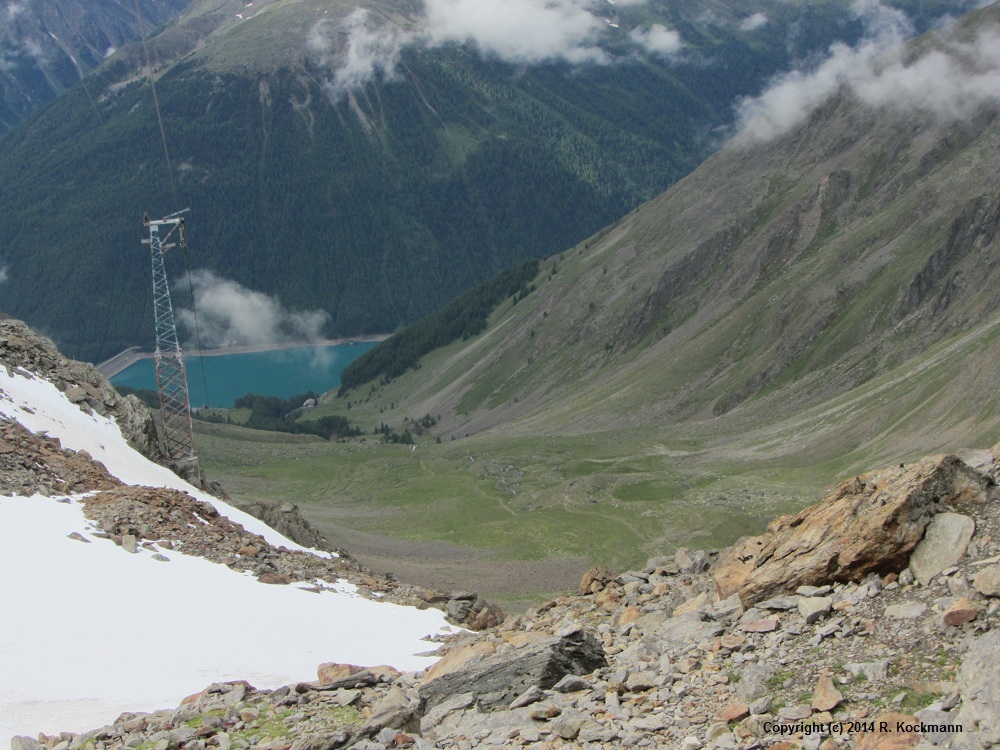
(371, 160)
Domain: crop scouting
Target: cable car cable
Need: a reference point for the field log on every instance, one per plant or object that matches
(173, 187)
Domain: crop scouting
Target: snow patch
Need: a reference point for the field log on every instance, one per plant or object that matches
(43, 408)
(90, 631)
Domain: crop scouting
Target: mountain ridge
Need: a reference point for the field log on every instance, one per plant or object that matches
(850, 247)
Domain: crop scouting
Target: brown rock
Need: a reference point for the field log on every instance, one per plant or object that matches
(987, 582)
(686, 665)
(194, 698)
(629, 614)
(960, 612)
(458, 658)
(886, 737)
(546, 711)
(732, 642)
(935, 687)
(767, 625)
(331, 670)
(484, 617)
(869, 523)
(596, 579)
(732, 712)
(607, 599)
(825, 696)
(275, 578)
(692, 605)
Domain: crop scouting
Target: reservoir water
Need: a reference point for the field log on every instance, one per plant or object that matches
(281, 372)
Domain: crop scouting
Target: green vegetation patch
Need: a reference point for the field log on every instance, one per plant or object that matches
(465, 317)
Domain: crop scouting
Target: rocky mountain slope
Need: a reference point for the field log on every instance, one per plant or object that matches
(368, 161)
(866, 621)
(830, 285)
(46, 48)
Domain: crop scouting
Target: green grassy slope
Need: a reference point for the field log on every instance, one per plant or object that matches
(791, 313)
(775, 278)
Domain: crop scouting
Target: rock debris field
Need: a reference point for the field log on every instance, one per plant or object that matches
(869, 620)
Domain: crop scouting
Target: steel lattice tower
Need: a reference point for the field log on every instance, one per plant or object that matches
(171, 378)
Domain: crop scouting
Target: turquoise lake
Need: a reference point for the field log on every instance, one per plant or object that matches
(283, 372)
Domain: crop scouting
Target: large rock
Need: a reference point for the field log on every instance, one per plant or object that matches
(945, 541)
(754, 682)
(979, 684)
(395, 710)
(497, 680)
(286, 519)
(596, 579)
(458, 658)
(987, 582)
(870, 523)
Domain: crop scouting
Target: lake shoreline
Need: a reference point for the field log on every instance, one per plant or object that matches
(125, 359)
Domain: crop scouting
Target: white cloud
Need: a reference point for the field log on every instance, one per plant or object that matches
(793, 96)
(524, 31)
(754, 22)
(14, 10)
(359, 48)
(951, 81)
(3, 274)
(35, 50)
(356, 50)
(658, 39)
(881, 21)
(229, 312)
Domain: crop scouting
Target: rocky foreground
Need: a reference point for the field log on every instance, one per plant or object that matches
(869, 620)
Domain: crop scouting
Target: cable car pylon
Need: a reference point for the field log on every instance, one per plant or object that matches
(171, 378)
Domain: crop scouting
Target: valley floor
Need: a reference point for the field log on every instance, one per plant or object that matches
(515, 584)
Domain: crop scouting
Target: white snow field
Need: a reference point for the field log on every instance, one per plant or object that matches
(88, 630)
